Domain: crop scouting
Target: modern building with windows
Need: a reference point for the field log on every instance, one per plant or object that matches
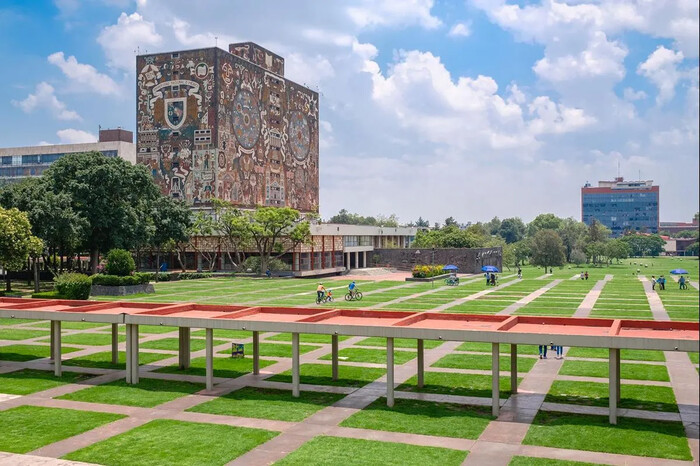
(622, 205)
(18, 163)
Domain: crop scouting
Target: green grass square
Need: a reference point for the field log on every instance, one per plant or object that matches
(12, 321)
(21, 334)
(481, 347)
(69, 325)
(456, 384)
(26, 381)
(321, 374)
(640, 437)
(481, 362)
(89, 339)
(223, 367)
(265, 403)
(165, 441)
(29, 352)
(146, 394)
(103, 360)
(375, 356)
(423, 417)
(627, 370)
(625, 354)
(156, 329)
(225, 333)
(398, 343)
(274, 350)
(358, 452)
(307, 338)
(646, 397)
(173, 344)
(27, 428)
(532, 461)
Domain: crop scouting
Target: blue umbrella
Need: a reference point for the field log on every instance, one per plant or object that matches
(679, 271)
(450, 267)
(489, 268)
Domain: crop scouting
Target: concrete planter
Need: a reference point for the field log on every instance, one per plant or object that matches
(431, 279)
(101, 290)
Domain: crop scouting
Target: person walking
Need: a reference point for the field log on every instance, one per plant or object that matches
(488, 278)
(653, 283)
(493, 279)
(559, 350)
(581, 275)
(663, 282)
(681, 283)
(586, 274)
(543, 351)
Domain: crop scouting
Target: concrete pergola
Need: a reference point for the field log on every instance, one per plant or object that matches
(613, 334)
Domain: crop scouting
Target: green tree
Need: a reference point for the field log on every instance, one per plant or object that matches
(693, 249)
(644, 245)
(578, 257)
(16, 241)
(547, 249)
(109, 194)
(522, 251)
(232, 224)
(595, 251)
(543, 222)
(422, 223)
(512, 229)
(451, 222)
(572, 234)
(597, 232)
(616, 249)
(493, 226)
(686, 234)
(171, 221)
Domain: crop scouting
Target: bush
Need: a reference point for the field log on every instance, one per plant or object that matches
(48, 295)
(73, 285)
(119, 262)
(427, 271)
(194, 275)
(253, 263)
(115, 280)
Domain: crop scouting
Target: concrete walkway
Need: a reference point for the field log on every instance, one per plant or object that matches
(584, 309)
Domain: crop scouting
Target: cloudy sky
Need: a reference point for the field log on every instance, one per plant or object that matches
(428, 107)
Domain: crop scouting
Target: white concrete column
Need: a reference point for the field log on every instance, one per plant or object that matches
(53, 335)
(56, 328)
(357, 259)
(256, 353)
(184, 347)
(614, 382)
(421, 364)
(495, 374)
(115, 343)
(129, 349)
(210, 357)
(334, 356)
(135, 354)
(513, 369)
(295, 365)
(390, 372)
(364, 259)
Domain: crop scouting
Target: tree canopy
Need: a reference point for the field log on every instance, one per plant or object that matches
(347, 218)
(547, 249)
(16, 240)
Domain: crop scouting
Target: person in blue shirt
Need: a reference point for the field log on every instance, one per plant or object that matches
(351, 288)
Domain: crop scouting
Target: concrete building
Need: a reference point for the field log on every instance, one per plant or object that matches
(676, 227)
(17, 163)
(622, 205)
(227, 125)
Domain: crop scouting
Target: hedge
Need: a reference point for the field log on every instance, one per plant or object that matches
(114, 280)
(119, 262)
(427, 271)
(48, 295)
(73, 285)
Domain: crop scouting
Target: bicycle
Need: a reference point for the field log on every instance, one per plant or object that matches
(452, 281)
(326, 299)
(355, 295)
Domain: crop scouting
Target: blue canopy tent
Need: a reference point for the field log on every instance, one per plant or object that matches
(679, 271)
(490, 268)
(450, 268)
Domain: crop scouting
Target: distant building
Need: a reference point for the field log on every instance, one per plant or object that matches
(622, 205)
(17, 163)
(676, 227)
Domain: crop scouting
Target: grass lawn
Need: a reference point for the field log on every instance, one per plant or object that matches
(165, 441)
(376, 356)
(156, 329)
(274, 350)
(10, 321)
(264, 403)
(423, 417)
(103, 360)
(26, 381)
(320, 374)
(89, 339)
(223, 367)
(694, 357)
(480, 347)
(307, 338)
(357, 452)
(532, 461)
(625, 354)
(146, 394)
(21, 334)
(398, 343)
(29, 352)
(27, 428)
(627, 370)
(173, 344)
(224, 333)
(648, 397)
(482, 362)
(638, 437)
(73, 325)
(456, 384)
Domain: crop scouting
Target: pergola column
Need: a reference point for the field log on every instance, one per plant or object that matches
(334, 356)
(129, 349)
(115, 343)
(390, 372)
(134, 354)
(210, 358)
(357, 259)
(421, 363)
(495, 379)
(614, 383)
(56, 346)
(184, 347)
(51, 345)
(256, 353)
(295, 365)
(513, 368)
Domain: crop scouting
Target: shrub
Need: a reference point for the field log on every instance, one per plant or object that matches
(427, 271)
(194, 275)
(48, 295)
(253, 263)
(73, 285)
(119, 262)
(115, 280)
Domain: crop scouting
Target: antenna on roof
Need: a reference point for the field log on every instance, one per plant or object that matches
(216, 41)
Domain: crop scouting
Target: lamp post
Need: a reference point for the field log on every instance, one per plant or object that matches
(432, 262)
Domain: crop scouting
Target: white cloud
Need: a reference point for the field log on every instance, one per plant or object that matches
(75, 136)
(661, 68)
(181, 29)
(85, 74)
(44, 97)
(120, 41)
(632, 95)
(370, 13)
(460, 30)
(556, 118)
(306, 70)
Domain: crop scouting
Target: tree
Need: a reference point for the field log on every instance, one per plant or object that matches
(595, 250)
(578, 257)
(493, 226)
(232, 223)
(693, 249)
(16, 241)
(109, 194)
(171, 222)
(522, 251)
(422, 223)
(597, 232)
(686, 234)
(616, 249)
(572, 234)
(543, 222)
(547, 249)
(508, 256)
(511, 230)
(644, 245)
(451, 222)
(346, 218)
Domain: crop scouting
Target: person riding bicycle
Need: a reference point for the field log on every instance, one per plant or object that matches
(320, 291)
(352, 288)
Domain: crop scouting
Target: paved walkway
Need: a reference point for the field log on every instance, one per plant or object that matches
(476, 295)
(586, 306)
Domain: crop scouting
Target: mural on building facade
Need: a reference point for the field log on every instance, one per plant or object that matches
(217, 124)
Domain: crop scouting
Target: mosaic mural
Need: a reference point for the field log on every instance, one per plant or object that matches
(228, 125)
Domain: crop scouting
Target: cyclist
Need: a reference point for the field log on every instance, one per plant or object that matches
(351, 288)
(320, 292)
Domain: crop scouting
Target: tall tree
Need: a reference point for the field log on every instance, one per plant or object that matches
(493, 226)
(597, 232)
(572, 233)
(512, 229)
(171, 223)
(543, 222)
(547, 249)
(422, 223)
(451, 222)
(16, 241)
(233, 224)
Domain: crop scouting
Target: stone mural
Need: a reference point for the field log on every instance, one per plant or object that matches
(228, 125)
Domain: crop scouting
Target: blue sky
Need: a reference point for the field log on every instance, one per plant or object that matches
(429, 108)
